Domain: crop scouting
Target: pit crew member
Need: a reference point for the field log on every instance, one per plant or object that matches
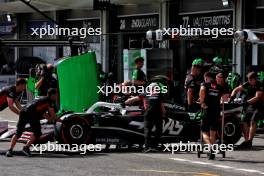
(210, 100)
(9, 96)
(32, 114)
(138, 76)
(154, 111)
(252, 106)
(192, 85)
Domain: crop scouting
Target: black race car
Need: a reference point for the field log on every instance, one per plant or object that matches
(110, 123)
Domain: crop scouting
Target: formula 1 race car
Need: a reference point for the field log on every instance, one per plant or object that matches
(110, 123)
(114, 124)
(117, 125)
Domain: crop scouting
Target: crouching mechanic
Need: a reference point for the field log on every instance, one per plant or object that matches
(32, 114)
(210, 99)
(154, 111)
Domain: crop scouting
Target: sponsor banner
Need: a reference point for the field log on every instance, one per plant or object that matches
(208, 20)
(213, 25)
(139, 23)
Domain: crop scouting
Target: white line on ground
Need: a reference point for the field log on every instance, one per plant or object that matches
(173, 172)
(219, 166)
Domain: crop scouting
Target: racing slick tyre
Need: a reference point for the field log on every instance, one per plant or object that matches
(232, 129)
(73, 130)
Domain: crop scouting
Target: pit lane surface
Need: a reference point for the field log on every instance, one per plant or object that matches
(131, 163)
(123, 162)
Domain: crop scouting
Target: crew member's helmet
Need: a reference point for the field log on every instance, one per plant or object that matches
(218, 60)
(198, 62)
(153, 85)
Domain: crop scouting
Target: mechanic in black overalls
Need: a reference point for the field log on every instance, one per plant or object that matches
(252, 107)
(210, 96)
(32, 114)
(154, 111)
(9, 96)
(192, 85)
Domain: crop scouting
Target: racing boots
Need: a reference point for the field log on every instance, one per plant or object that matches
(211, 156)
(151, 149)
(26, 151)
(147, 150)
(245, 145)
(9, 153)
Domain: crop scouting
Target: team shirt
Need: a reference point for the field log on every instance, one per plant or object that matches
(213, 94)
(194, 83)
(48, 82)
(152, 103)
(139, 75)
(251, 90)
(40, 106)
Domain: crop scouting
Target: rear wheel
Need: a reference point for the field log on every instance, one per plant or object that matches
(232, 130)
(73, 130)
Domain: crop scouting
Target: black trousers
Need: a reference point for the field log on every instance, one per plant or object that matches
(211, 120)
(26, 117)
(151, 120)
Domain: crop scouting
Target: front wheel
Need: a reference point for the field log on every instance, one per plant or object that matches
(73, 130)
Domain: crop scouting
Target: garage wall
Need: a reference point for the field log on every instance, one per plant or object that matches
(138, 9)
(201, 5)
